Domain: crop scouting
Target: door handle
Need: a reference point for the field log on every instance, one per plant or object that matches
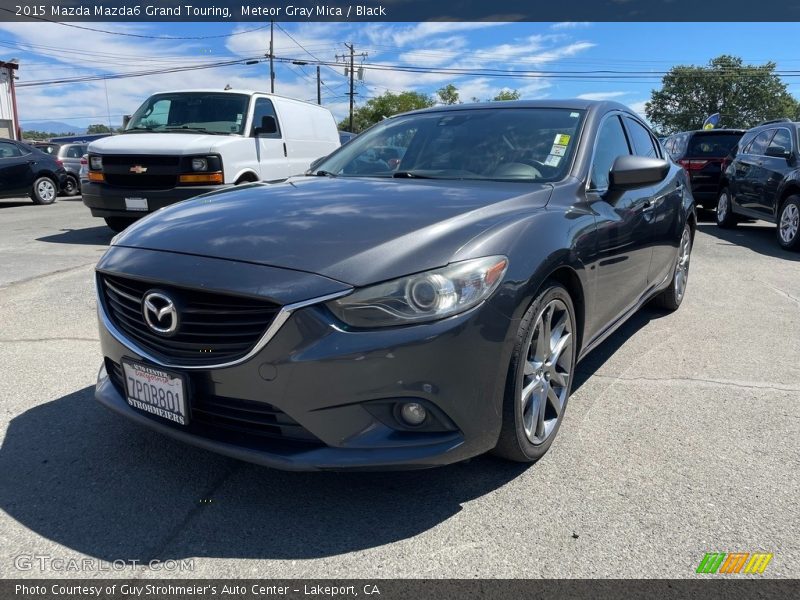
(285, 154)
(648, 205)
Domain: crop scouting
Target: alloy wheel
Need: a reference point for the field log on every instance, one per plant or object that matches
(46, 190)
(790, 222)
(682, 264)
(547, 372)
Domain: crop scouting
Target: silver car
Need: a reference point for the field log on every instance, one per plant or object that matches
(70, 154)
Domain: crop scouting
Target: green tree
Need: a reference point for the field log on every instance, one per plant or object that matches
(448, 94)
(507, 95)
(744, 95)
(98, 128)
(386, 105)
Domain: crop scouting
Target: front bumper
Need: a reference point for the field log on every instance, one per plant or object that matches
(108, 201)
(326, 380)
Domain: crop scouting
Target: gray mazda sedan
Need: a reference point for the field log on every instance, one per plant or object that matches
(421, 297)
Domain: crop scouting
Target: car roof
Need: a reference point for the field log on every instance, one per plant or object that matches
(568, 104)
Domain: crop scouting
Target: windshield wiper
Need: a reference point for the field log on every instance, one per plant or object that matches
(410, 175)
(137, 128)
(322, 173)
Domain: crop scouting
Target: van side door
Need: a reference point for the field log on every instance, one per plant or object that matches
(271, 148)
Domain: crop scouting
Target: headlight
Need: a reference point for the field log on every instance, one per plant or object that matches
(423, 297)
(199, 164)
(96, 163)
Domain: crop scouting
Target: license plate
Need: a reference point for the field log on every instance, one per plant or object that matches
(156, 391)
(136, 204)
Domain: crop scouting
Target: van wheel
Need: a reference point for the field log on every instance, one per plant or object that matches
(539, 376)
(725, 217)
(71, 186)
(44, 191)
(119, 223)
(789, 224)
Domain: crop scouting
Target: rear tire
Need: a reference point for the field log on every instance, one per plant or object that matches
(725, 217)
(71, 186)
(672, 297)
(788, 230)
(44, 191)
(119, 223)
(539, 376)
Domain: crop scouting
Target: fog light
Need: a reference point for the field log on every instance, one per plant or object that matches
(413, 413)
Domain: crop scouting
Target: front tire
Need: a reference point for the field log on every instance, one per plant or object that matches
(788, 229)
(539, 376)
(44, 191)
(725, 217)
(118, 224)
(672, 297)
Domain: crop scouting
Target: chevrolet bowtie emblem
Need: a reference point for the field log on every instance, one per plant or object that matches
(138, 169)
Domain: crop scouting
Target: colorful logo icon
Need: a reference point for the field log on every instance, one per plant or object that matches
(734, 562)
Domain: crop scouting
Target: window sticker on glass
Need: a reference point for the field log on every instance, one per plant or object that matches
(552, 161)
(574, 115)
(562, 139)
(558, 150)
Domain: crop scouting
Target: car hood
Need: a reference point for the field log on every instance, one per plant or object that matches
(357, 231)
(174, 143)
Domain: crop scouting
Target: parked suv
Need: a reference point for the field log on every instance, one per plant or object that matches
(762, 181)
(702, 153)
(27, 170)
(70, 156)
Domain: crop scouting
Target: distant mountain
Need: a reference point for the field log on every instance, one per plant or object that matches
(51, 127)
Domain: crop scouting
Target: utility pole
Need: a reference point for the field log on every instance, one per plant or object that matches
(352, 93)
(319, 87)
(271, 65)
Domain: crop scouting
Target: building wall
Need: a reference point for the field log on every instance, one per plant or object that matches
(7, 117)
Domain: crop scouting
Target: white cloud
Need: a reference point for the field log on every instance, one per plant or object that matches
(570, 25)
(601, 95)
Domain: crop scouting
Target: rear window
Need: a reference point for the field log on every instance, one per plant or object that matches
(712, 144)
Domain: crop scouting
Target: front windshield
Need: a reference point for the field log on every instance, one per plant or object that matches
(205, 112)
(519, 144)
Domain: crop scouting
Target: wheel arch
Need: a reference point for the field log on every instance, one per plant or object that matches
(566, 276)
(790, 189)
(246, 177)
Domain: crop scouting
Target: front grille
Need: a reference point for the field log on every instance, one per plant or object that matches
(241, 422)
(213, 327)
(161, 171)
(142, 182)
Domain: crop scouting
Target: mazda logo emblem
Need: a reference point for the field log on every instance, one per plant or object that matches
(160, 313)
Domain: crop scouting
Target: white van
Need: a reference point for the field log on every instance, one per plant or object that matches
(180, 144)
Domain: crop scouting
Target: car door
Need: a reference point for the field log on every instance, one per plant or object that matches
(16, 174)
(271, 149)
(663, 214)
(775, 164)
(624, 233)
(749, 173)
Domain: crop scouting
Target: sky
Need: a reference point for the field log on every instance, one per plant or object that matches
(551, 51)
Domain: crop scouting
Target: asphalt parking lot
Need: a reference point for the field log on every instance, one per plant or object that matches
(682, 437)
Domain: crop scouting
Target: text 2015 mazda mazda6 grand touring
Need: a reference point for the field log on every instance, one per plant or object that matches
(421, 297)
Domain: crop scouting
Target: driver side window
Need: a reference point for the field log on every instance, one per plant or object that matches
(611, 143)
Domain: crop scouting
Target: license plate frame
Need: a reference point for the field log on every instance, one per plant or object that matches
(174, 409)
(137, 204)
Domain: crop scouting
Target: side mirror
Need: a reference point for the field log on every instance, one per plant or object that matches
(125, 120)
(636, 171)
(269, 126)
(778, 152)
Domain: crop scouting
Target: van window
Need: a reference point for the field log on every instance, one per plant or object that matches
(192, 112)
(264, 108)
